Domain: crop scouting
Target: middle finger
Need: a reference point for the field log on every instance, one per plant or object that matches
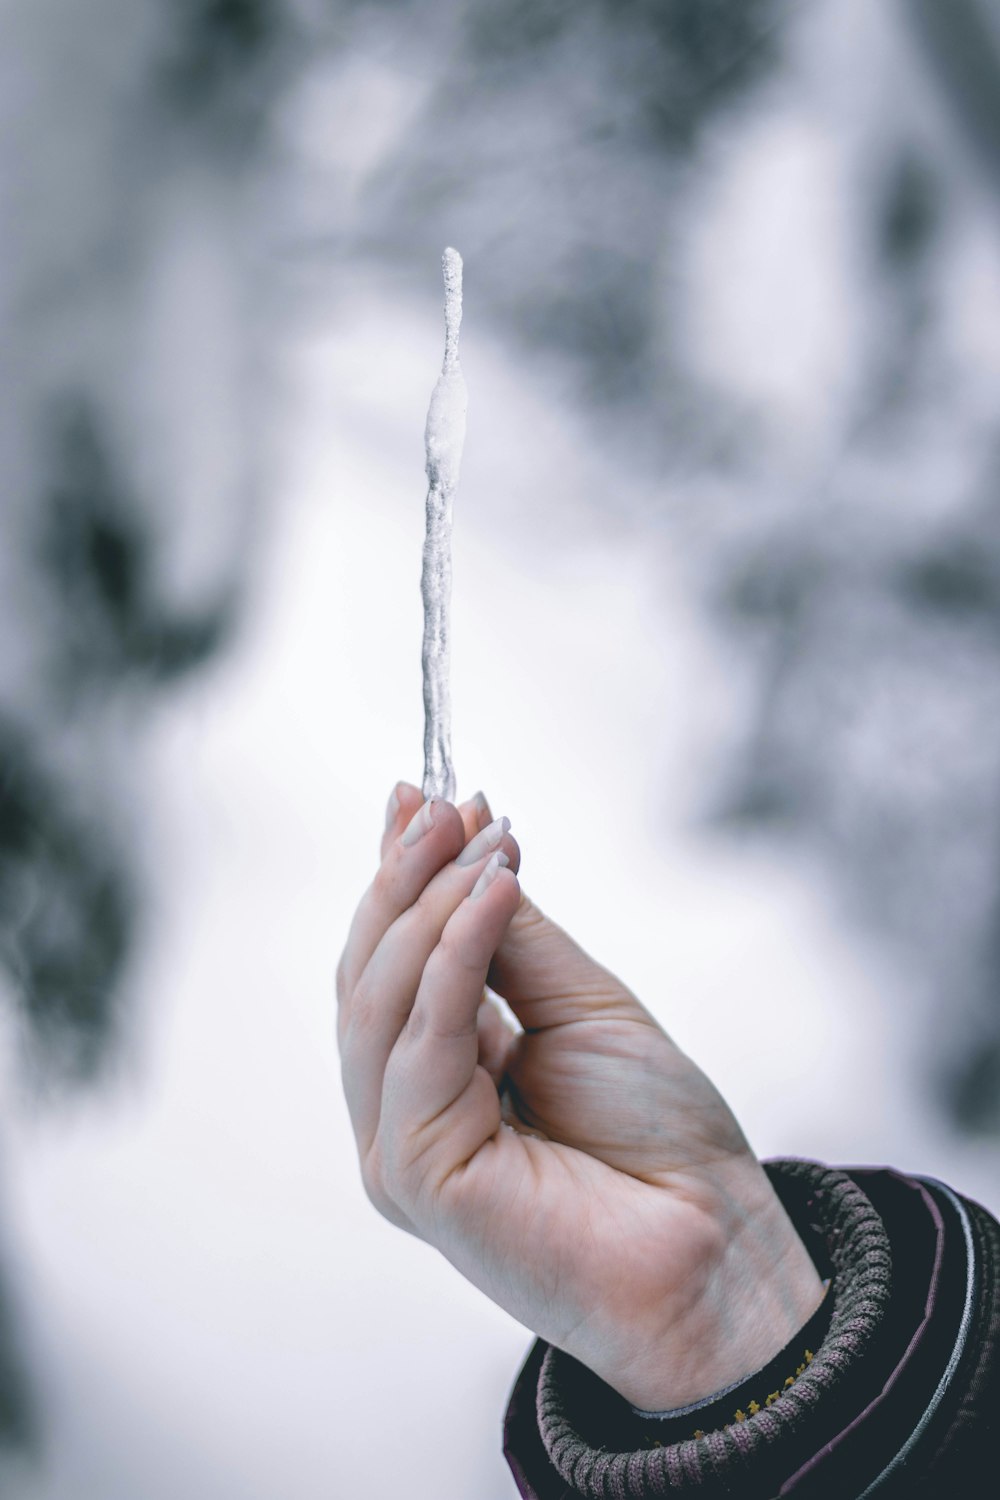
(384, 994)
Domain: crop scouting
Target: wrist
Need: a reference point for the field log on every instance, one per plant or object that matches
(753, 1289)
(736, 1402)
(598, 1445)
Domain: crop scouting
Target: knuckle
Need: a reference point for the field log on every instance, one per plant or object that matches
(421, 925)
(394, 1159)
(424, 915)
(416, 1024)
(361, 997)
(395, 1216)
(340, 979)
(384, 882)
(390, 1184)
(371, 1179)
(424, 1023)
(383, 1203)
(360, 1015)
(341, 1032)
(453, 952)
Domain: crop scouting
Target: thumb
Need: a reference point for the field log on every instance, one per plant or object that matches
(547, 979)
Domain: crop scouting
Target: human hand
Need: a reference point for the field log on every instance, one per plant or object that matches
(581, 1171)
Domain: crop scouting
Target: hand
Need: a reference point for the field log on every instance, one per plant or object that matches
(581, 1171)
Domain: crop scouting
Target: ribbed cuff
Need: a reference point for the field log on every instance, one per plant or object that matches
(598, 1445)
(744, 1398)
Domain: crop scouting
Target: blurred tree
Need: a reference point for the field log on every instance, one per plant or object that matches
(18, 1412)
(96, 563)
(137, 114)
(67, 908)
(221, 56)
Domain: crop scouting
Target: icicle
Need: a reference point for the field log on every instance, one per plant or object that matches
(444, 436)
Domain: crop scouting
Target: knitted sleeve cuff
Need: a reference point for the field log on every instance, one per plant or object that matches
(597, 1444)
(745, 1397)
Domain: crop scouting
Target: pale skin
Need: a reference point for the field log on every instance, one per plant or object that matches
(580, 1170)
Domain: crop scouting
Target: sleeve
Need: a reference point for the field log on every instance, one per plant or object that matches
(900, 1397)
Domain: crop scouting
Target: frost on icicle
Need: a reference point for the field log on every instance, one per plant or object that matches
(444, 436)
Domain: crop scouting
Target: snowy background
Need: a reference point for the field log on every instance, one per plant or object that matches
(726, 626)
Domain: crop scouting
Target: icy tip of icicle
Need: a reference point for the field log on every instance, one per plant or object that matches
(444, 435)
(451, 265)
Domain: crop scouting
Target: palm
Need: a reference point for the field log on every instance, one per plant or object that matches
(613, 1085)
(600, 1197)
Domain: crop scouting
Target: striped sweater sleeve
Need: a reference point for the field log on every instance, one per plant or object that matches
(902, 1391)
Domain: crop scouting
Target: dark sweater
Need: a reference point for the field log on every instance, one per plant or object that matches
(899, 1398)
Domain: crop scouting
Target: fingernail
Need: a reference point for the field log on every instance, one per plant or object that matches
(486, 879)
(483, 842)
(420, 822)
(392, 808)
(477, 809)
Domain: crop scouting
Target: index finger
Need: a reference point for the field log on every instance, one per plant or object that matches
(432, 837)
(405, 799)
